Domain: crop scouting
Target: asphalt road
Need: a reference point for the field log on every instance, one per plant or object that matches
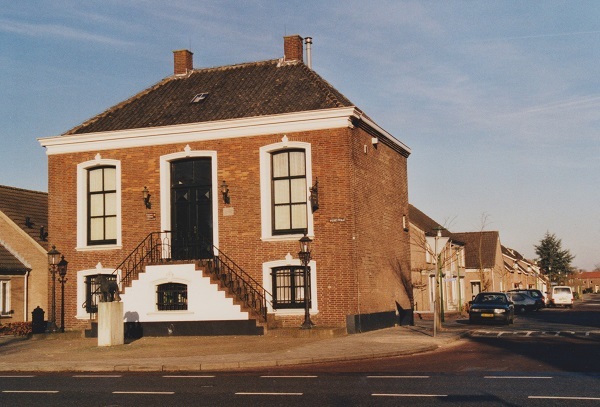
(547, 358)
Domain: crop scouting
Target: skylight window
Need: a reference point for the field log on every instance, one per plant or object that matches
(199, 97)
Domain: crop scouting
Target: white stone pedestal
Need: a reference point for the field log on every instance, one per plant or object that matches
(111, 330)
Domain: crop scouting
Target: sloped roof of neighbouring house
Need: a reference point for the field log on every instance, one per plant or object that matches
(28, 210)
(424, 222)
(231, 92)
(480, 248)
(10, 264)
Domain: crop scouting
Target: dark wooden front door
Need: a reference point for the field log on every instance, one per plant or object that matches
(191, 209)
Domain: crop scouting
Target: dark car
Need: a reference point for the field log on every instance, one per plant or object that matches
(522, 301)
(491, 306)
(537, 295)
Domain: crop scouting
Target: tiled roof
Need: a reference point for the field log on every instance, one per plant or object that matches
(28, 209)
(9, 264)
(236, 91)
(484, 242)
(424, 222)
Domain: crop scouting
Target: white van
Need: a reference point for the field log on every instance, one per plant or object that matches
(561, 295)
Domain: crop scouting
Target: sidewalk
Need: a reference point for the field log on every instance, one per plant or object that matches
(66, 352)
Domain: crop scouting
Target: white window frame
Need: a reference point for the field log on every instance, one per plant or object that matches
(265, 188)
(81, 276)
(268, 285)
(82, 203)
(5, 288)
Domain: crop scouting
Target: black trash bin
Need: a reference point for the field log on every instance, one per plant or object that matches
(38, 325)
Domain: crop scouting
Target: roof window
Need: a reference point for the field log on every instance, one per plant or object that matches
(199, 97)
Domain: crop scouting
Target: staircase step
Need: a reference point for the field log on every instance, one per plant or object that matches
(315, 332)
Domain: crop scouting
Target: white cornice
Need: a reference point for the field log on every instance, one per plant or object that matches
(186, 133)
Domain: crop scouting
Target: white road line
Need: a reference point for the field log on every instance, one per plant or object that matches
(290, 377)
(190, 377)
(31, 391)
(144, 392)
(397, 377)
(563, 398)
(97, 376)
(517, 377)
(407, 395)
(267, 394)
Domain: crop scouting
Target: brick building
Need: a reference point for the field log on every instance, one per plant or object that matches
(23, 258)
(194, 193)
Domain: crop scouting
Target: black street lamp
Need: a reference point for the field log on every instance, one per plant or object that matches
(62, 272)
(53, 260)
(304, 256)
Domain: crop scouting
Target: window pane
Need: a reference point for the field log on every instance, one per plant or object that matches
(280, 165)
(110, 207)
(111, 228)
(95, 180)
(298, 216)
(281, 191)
(97, 229)
(297, 163)
(299, 190)
(110, 179)
(282, 217)
(97, 205)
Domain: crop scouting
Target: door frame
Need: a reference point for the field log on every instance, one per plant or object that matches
(165, 187)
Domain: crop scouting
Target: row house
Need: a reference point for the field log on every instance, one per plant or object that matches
(437, 260)
(521, 273)
(23, 248)
(194, 193)
(585, 282)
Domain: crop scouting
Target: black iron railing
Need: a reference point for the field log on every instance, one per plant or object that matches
(159, 247)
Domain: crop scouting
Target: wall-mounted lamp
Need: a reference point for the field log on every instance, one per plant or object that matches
(314, 196)
(146, 195)
(404, 225)
(225, 192)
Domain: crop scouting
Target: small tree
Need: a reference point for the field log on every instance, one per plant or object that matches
(553, 259)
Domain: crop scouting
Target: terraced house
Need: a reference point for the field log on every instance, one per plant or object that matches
(194, 194)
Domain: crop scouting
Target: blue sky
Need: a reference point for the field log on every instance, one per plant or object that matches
(498, 100)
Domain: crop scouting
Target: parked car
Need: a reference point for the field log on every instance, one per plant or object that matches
(491, 306)
(561, 295)
(535, 294)
(522, 301)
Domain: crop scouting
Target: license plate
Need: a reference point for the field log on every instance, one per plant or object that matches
(487, 315)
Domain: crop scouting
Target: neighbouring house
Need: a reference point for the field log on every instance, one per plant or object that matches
(194, 193)
(484, 264)
(585, 281)
(23, 253)
(437, 260)
(520, 272)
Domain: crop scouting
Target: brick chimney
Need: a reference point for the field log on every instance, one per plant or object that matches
(183, 61)
(293, 48)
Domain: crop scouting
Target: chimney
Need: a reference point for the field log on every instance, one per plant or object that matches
(182, 61)
(308, 41)
(292, 48)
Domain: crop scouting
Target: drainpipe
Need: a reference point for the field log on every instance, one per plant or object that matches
(26, 296)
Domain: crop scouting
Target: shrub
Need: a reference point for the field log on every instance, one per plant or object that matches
(16, 328)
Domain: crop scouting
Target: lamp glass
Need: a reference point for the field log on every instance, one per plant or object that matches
(53, 256)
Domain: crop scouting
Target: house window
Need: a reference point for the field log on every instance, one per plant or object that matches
(171, 297)
(288, 286)
(5, 298)
(92, 291)
(289, 196)
(102, 206)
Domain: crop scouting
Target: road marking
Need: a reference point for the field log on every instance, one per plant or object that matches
(267, 394)
(397, 377)
(407, 395)
(144, 392)
(31, 391)
(97, 375)
(517, 377)
(290, 377)
(564, 398)
(190, 377)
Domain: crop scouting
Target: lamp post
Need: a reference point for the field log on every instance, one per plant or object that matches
(62, 272)
(304, 255)
(53, 260)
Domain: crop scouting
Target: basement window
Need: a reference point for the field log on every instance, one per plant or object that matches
(199, 97)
